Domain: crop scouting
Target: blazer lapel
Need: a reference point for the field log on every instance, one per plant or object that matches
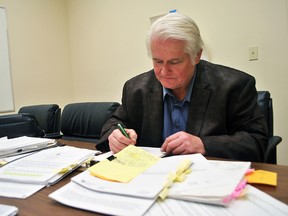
(199, 101)
(154, 103)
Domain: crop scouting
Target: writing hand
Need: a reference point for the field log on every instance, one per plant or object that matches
(118, 141)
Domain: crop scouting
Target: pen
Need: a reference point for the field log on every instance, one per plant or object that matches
(123, 131)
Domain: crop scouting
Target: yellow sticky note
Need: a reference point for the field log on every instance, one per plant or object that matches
(164, 193)
(262, 177)
(128, 163)
(114, 171)
(183, 170)
(3, 162)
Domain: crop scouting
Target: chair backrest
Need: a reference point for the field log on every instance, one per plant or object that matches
(265, 104)
(84, 121)
(22, 124)
(48, 117)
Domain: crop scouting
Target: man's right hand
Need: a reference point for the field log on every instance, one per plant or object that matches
(117, 141)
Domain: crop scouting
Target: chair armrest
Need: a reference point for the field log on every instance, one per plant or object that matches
(272, 143)
(56, 135)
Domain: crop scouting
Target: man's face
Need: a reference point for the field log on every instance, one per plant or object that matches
(172, 66)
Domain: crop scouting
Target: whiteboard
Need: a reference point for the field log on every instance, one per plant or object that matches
(6, 93)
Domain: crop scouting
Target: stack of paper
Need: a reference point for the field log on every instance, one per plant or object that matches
(204, 184)
(148, 185)
(115, 198)
(8, 210)
(45, 167)
(24, 144)
(255, 202)
(209, 184)
(23, 177)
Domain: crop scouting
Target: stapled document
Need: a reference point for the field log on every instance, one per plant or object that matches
(209, 184)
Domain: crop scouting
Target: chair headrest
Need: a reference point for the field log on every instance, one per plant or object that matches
(22, 124)
(47, 116)
(86, 119)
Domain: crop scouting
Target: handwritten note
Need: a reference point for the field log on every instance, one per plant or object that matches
(126, 165)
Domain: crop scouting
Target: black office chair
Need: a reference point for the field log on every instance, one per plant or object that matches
(22, 124)
(266, 105)
(84, 121)
(48, 117)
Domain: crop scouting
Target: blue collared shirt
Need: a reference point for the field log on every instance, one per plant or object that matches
(175, 111)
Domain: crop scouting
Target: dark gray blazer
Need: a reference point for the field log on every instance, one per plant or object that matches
(223, 112)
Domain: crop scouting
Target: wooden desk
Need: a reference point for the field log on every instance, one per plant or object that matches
(41, 204)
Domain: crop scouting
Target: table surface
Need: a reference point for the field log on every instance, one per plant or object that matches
(41, 204)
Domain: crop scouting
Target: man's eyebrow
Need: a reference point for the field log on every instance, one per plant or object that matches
(169, 60)
(176, 59)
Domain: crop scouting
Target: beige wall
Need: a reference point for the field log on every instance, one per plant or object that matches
(84, 50)
(39, 51)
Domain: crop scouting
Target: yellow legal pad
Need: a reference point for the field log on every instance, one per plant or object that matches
(262, 177)
(125, 165)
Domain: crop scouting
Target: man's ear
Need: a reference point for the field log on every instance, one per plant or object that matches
(198, 57)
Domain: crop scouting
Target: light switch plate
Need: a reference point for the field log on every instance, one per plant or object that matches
(253, 53)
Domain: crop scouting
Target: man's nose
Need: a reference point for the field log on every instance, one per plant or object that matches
(166, 68)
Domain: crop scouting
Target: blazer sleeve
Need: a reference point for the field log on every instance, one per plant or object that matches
(136, 111)
(119, 116)
(247, 136)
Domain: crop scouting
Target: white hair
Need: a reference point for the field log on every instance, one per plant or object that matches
(179, 27)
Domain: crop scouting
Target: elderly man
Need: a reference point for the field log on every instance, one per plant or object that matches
(186, 105)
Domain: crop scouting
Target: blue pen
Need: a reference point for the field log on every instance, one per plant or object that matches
(123, 131)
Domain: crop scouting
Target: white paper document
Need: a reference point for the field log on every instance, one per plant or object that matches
(23, 144)
(155, 151)
(77, 196)
(4, 161)
(207, 184)
(18, 190)
(46, 166)
(147, 185)
(133, 198)
(255, 203)
(8, 210)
